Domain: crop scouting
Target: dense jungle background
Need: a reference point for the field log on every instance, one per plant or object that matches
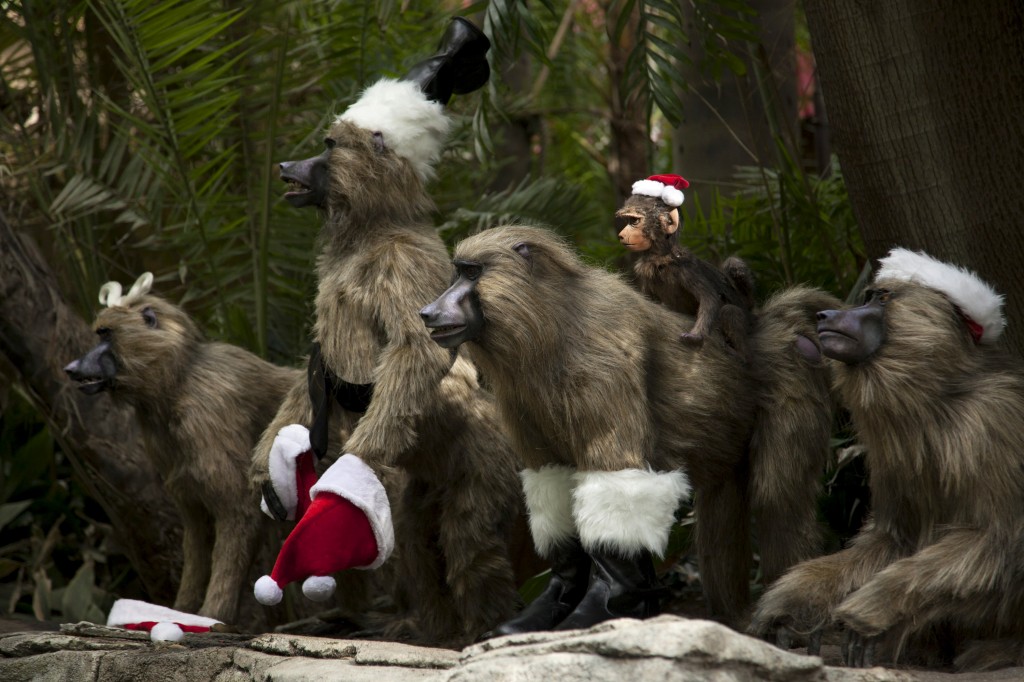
(139, 135)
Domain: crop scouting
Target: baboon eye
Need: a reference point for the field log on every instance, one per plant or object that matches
(330, 143)
(103, 333)
(883, 296)
(471, 271)
(149, 317)
(378, 141)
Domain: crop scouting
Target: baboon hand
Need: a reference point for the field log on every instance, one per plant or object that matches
(291, 475)
(858, 651)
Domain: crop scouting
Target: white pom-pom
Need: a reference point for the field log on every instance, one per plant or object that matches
(318, 587)
(672, 196)
(166, 632)
(267, 591)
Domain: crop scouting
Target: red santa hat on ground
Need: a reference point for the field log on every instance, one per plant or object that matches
(668, 188)
(348, 525)
(977, 302)
(162, 623)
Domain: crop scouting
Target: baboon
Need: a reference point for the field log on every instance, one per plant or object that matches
(202, 406)
(794, 416)
(938, 406)
(425, 413)
(614, 419)
(721, 299)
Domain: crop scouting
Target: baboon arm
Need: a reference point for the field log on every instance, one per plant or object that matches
(295, 409)
(409, 368)
(806, 596)
(942, 580)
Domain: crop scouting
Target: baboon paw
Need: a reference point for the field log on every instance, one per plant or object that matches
(691, 339)
(858, 651)
(865, 616)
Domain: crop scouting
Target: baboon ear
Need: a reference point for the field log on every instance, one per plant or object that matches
(523, 249)
(378, 142)
(149, 317)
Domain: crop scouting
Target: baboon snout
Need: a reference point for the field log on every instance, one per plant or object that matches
(71, 369)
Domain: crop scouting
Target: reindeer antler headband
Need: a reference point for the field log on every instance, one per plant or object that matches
(110, 293)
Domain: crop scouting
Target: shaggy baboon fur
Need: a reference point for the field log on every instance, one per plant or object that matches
(590, 374)
(380, 263)
(201, 405)
(721, 299)
(940, 418)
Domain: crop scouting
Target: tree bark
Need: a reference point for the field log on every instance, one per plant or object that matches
(39, 334)
(629, 145)
(924, 99)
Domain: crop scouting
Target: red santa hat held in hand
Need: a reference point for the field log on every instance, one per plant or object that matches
(668, 188)
(348, 525)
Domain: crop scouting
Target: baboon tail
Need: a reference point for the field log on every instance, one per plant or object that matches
(789, 447)
(742, 279)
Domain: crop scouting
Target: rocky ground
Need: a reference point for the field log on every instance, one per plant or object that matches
(664, 648)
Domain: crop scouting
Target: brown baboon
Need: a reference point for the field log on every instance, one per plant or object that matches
(938, 407)
(201, 405)
(614, 418)
(794, 416)
(721, 300)
(424, 413)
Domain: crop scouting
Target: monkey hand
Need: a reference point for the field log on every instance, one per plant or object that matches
(286, 495)
(348, 525)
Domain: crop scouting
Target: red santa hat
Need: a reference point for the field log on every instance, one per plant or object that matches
(348, 525)
(668, 188)
(977, 302)
(162, 623)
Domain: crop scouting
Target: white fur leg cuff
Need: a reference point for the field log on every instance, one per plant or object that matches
(548, 492)
(628, 511)
(351, 478)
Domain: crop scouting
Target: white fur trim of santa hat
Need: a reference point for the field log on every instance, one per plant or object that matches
(128, 612)
(629, 510)
(110, 293)
(351, 478)
(548, 492)
(976, 299)
(290, 442)
(659, 190)
(412, 125)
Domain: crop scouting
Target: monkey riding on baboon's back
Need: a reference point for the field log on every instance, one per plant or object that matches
(419, 408)
(616, 418)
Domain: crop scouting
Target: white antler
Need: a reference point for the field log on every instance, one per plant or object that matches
(110, 293)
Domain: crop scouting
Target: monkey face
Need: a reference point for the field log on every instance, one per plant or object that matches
(852, 336)
(456, 316)
(632, 234)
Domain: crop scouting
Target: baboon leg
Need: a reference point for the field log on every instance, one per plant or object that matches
(723, 547)
(425, 612)
(952, 578)
(479, 572)
(805, 597)
(233, 550)
(732, 320)
(196, 545)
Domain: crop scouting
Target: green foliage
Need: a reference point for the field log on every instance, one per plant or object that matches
(58, 559)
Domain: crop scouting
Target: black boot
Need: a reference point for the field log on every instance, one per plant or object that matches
(460, 65)
(620, 587)
(570, 571)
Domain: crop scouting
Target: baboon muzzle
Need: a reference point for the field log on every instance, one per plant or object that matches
(94, 371)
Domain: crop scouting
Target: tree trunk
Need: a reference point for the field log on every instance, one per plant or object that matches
(629, 145)
(924, 100)
(39, 334)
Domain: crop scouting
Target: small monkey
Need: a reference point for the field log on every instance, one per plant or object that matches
(720, 298)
